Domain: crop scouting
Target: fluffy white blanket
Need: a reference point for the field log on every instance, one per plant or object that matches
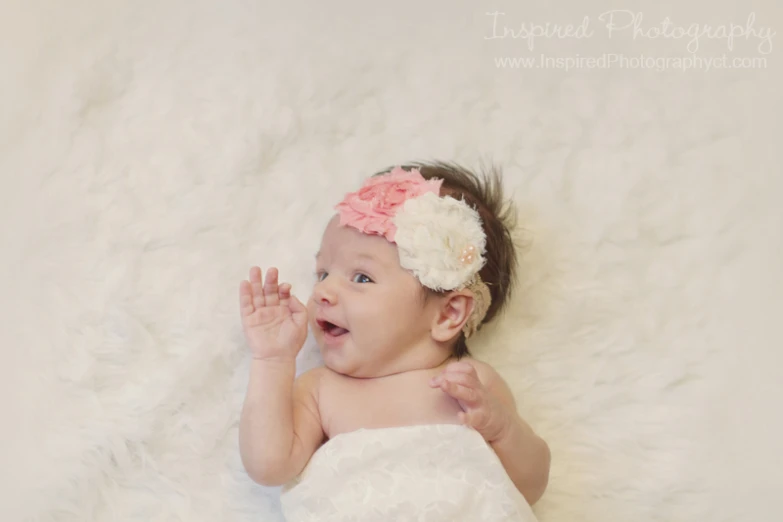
(150, 152)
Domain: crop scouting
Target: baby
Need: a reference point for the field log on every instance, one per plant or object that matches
(400, 422)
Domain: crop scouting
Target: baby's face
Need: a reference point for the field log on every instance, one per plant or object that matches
(366, 312)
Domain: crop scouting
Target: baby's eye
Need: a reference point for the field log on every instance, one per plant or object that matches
(361, 278)
(320, 276)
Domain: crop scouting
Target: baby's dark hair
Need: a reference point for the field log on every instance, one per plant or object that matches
(484, 193)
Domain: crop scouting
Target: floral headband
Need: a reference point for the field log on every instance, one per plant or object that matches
(439, 239)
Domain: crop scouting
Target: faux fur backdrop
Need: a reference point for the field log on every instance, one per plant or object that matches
(152, 151)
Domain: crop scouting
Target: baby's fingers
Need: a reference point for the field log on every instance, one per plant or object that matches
(271, 297)
(256, 287)
(298, 311)
(465, 379)
(285, 294)
(245, 299)
(469, 396)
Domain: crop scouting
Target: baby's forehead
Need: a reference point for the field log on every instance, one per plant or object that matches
(349, 243)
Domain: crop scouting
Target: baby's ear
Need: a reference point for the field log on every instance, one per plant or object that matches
(453, 313)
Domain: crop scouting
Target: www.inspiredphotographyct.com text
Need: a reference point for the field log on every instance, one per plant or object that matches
(623, 61)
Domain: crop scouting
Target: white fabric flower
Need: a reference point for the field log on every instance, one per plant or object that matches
(440, 240)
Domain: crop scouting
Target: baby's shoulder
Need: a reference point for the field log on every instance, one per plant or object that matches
(308, 384)
(484, 370)
(317, 380)
(312, 378)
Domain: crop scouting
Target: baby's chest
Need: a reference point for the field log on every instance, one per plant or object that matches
(350, 404)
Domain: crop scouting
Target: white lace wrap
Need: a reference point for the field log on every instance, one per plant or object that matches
(426, 473)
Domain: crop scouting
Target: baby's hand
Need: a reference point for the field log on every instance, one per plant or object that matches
(274, 321)
(481, 410)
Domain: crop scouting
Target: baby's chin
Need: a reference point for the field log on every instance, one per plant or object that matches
(340, 362)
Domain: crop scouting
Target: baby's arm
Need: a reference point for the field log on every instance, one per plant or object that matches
(525, 455)
(488, 406)
(280, 427)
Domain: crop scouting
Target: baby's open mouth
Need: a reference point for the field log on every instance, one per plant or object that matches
(331, 328)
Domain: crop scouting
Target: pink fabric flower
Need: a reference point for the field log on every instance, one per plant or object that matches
(371, 209)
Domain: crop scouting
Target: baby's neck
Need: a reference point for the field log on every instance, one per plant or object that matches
(412, 363)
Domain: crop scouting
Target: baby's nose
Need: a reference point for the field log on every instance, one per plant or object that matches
(325, 293)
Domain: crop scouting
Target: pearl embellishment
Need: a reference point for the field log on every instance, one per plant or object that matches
(468, 254)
